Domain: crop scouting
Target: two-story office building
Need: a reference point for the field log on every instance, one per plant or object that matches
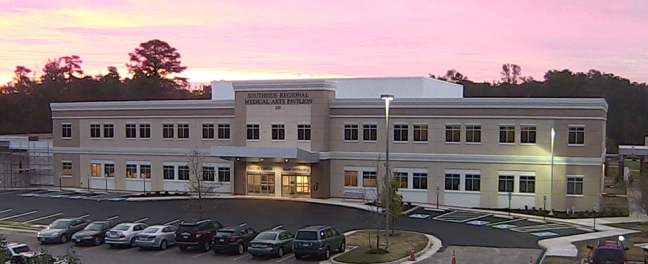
(324, 138)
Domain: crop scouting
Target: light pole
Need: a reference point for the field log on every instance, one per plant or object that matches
(387, 98)
(551, 202)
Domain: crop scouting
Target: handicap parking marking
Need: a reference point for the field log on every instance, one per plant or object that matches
(460, 216)
(112, 218)
(43, 218)
(478, 223)
(6, 210)
(419, 216)
(503, 226)
(286, 257)
(544, 234)
(18, 215)
(202, 254)
(141, 220)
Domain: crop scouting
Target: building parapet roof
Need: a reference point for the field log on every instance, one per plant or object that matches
(142, 105)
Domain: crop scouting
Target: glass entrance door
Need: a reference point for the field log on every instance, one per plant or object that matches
(261, 184)
(295, 186)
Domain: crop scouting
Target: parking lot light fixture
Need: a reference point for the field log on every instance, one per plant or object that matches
(551, 202)
(387, 98)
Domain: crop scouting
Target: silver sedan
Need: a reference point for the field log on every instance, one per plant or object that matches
(124, 234)
(157, 236)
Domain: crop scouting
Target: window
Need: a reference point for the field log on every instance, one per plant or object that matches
(95, 130)
(109, 130)
(169, 173)
(507, 134)
(131, 171)
(452, 182)
(577, 135)
(145, 171)
(208, 131)
(419, 180)
(506, 183)
(66, 130)
(528, 134)
(369, 132)
(473, 133)
(473, 182)
(145, 130)
(278, 132)
(223, 174)
(369, 179)
(351, 178)
(208, 173)
(420, 133)
(95, 169)
(223, 131)
(183, 130)
(183, 173)
(253, 132)
(575, 185)
(304, 132)
(527, 184)
(401, 133)
(402, 179)
(453, 133)
(131, 131)
(109, 169)
(167, 130)
(350, 132)
(67, 168)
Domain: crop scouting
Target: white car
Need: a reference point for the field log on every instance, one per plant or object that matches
(17, 252)
(124, 234)
(157, 236)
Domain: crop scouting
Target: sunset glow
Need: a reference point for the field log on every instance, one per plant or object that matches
(250, 39)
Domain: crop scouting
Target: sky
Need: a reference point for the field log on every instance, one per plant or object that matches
(281, 39)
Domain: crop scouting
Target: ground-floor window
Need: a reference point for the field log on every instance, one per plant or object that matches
(208, 173)
(419, 180)
(402, 179)
(169, 172)
(452, 181)
(473, 182)
(575, 185)
(506, 183)
(95, 169)
(67, 168)
(527, 184)
(369, 179)
(131, 171)
(224, 174)
(351, 178)
(183, 173)
(109, 170)
(145, 171)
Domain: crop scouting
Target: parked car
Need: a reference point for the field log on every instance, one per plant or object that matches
(61, 230)
(196, 234)
(275, 242)
(157, 236)
(233, 238)
(318, 241)
(93, 234)
(608, 251)
(124, 234)
(18, 253)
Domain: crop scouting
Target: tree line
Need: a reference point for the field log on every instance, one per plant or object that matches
(154, 65)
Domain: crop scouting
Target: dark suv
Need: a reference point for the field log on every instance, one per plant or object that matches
(318, 241)
(609, 251)
(196, 234)
(233, 238)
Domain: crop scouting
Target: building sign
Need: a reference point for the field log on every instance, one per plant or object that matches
(278, 98)
(303, 170)
(295, 170)
(259, 168)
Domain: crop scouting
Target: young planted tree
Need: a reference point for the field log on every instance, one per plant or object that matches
(395, 199)
(202, 185)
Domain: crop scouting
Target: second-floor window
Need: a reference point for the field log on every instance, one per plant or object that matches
(145, 130)
(576, 135)
(253, 131)
(453, 133)
(278, 132)
(507, 134)
(168, 130)
(208, 131)
(351, 132)
(528, 134)
(223, 131)
(66, 130)
(109, 130)
(304, 132)
(420, 133)
(131, 131)
(95, 130)
(369, 132)
(401, 133)
(473, 133)
(183, 130)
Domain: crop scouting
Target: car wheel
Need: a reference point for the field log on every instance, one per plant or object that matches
(183, 248)
(97, 241)
(163, 245)
(327, 254)
(240, 249)
(63, 239)
(342, 247)
(299, 256)
(206, 246)
(132, 242)
(280, 252)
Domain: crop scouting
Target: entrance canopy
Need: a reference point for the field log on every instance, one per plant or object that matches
(633, 150)
(256, 153)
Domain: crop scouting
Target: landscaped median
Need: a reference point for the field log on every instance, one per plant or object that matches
(17, 226)
(362, 246)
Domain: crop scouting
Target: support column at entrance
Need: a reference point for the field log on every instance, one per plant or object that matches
(239, 177)
(321, 177)
(619, 176)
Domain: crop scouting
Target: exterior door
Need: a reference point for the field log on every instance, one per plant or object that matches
(261, 184)
(295, 186)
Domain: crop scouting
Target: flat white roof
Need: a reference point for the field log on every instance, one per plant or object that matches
(348, 88)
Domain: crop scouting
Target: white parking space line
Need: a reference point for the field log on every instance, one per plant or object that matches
(286, 257)
(172, 222)
(84, 216)
(112, 218)
(18, 215)
(505, 222)
(202, 254)
(90, 248)
(44, 217)
(5, 211)
(125, 250)
(141, 220)
(241, 256)
(162, 252)
(475, 218)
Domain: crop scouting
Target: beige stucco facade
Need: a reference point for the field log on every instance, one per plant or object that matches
(324, 163)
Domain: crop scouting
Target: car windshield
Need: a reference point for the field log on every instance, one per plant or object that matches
(21, 249)
(121, 228)
(94, 227)
(608, 254)
(267, 236)
(60, 224)
(224, 233)
(151, 230)
(306, 235)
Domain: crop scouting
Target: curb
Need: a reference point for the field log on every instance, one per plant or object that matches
(432, 247)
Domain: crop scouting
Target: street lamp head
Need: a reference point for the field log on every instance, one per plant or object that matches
(553, 133)
(387, 97)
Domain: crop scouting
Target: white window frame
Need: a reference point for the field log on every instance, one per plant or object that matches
(177, 128)
(100, 130)
(516, 181)
(71, 130)
(499, 136)
(214, 131)
(246, 130)
(393, 128)
(310, 129)
(462, 179)
(71, 169)
(138, 171)
(427, 131)
(363, 129)
(481, 130)
(217, 165)
(575, 177)
(103, 130)
(173, 129)
(229, 128)
(445, 131)
(102, 164)
(410, 178)
(176, 172)
(360, 171)
(569, 127)
(278, 131)
(136, 130)
(536, 134)
(357, 132)
(139, 130)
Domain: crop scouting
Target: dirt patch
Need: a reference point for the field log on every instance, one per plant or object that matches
(401, 246)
